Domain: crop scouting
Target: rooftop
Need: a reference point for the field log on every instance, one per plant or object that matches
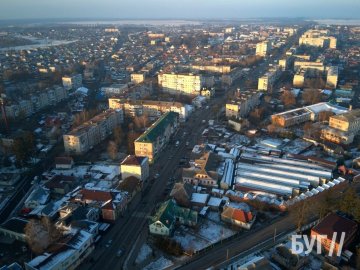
(158, 128)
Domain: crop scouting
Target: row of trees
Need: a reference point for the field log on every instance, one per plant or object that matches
(347, 203)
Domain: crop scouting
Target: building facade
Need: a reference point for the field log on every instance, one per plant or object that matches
(86, 136)
(135, 166)
(155, 138)
(188, 84)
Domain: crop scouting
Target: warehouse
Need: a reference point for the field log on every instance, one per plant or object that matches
(228, 176)
(243, 183)
(261, 168)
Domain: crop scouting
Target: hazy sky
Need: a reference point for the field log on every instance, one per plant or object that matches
(188, 9)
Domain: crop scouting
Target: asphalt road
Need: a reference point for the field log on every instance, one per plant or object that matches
(125, 231)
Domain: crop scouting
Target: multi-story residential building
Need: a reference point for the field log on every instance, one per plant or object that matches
(299, 78)
(151, 108)
(332, 77)
(222, 69)
(72, 82)
(189, 84)
(263, 48)
(135, 166)
(86, 136)
(318, 65)
(267, 81)
(154, 139)
(244, 102)
(68, 253)
(137, 78)
(342, 128)
(318, 38)
(114, 89)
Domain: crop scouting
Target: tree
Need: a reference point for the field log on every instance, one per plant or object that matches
(325, 115)
(300, 213)
(350, 202)
(40, 234)
(288, 98)
(118, 135)
(141, 122)
(112, 150)
(272, 128)
(23, 147)
(311, 96)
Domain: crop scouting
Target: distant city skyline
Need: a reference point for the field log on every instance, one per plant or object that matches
(184, 9)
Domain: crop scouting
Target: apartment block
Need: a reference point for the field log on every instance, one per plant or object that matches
(137, 78)
(86, 136)
(114, 89)
(263, 48)
(244, 102)
(188, 84)
(155, 138)
(151, 108)
(332, 77)
(266, 82)
(72, 82)
(318, 38)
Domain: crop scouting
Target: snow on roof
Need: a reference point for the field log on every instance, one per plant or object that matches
(214, 201)
(199, 198)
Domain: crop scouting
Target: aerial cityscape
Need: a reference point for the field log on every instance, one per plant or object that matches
(179, 135)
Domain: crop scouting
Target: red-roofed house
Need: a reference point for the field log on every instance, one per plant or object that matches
(335, 223)
(238, 217)
(64, 162)
(111, 203)
(135, 166)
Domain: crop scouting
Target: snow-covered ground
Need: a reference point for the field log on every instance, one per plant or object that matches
(159, 264)
(144, 253)
(209, 232)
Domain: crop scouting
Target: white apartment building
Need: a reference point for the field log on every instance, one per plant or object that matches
(86, 136)
(188, 84)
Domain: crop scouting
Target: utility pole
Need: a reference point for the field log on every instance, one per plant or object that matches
(274, 234)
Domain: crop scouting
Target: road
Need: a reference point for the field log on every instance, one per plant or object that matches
(125, 230)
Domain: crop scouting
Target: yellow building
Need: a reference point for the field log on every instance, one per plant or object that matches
(155, 138)
(188, 84)
(243, 104)
(299, 78)
(135, 166)
(137, 78)
(263, 48)
(332, 77)
(267, 81)
(348, 122)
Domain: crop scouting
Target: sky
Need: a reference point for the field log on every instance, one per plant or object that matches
(178, 9)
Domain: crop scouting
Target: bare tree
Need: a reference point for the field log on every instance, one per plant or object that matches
(112, 150)
(300, 213)
(118, 135)
(325, 115)
(311, 96)
(40, 234)
(288, 98)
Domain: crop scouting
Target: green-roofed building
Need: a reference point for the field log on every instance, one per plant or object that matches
(164, 220)
(153, 140)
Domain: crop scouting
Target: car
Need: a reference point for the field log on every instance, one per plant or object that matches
(108, 244)
(119, 253)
